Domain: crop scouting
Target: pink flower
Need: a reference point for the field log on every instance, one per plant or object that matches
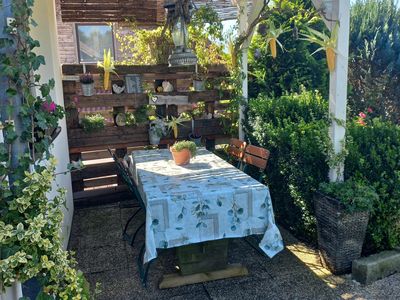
(370, 110)
(362, 115)
(49, 107)
(361, 122)
(75, 99)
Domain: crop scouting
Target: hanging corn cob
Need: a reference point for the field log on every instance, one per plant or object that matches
(108, 67)
(327, 43)
(273, 34)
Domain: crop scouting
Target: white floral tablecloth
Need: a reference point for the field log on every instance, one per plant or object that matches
(208, 199)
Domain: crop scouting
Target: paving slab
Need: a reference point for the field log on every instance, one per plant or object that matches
(295, 273)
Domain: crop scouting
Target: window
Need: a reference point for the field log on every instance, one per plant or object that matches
(92, 40)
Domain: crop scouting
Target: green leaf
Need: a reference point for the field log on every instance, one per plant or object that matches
(10, 92)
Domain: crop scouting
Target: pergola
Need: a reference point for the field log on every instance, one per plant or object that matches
(246, 11)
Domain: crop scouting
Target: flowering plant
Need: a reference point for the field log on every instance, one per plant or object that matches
(363, 117)
(158, 127)
(86, 78)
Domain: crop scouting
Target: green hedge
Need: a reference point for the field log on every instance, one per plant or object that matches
(374, 155)
(295, 129)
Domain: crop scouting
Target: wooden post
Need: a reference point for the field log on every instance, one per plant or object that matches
(245, 19)
(338, 85)
(243, 25)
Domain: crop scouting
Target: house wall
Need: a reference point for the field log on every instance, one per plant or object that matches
(46, 33)
(67, 40)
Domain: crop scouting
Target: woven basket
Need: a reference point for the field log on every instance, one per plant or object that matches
(340, 234)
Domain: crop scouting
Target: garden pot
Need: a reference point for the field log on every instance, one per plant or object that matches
(154, 138)
(196, 140)
(340, 233)
(199, 85)
(88, 89)
(182, 157)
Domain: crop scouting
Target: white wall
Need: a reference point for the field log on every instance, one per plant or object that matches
(46, 34)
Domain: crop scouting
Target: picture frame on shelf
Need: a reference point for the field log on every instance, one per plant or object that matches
(133, 84)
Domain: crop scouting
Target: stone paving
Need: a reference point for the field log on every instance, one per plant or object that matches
(295, 273)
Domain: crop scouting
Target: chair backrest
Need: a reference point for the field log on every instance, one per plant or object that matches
(123, 171)
(236, 148)
(256, 156)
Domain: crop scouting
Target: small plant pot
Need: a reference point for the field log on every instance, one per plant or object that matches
(88, 89)
(196, 140)
(154, 138)
(182, 157)
(199, 85)
(340, 234)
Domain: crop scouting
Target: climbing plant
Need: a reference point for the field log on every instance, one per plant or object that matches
(30, 222)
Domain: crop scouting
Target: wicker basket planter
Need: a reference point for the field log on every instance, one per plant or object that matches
(340, 233)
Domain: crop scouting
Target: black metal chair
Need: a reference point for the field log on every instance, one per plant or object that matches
(123, 172)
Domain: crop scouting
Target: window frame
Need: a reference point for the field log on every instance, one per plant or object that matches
(78, 47)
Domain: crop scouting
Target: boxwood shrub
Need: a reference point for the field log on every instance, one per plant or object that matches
(374, 156)
(295, 129)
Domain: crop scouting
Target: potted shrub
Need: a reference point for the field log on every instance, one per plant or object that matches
(199, 82)
(182, 152)
(87, 83)
(156, 131)
(342, 213)
(194, 136)
(93, 123)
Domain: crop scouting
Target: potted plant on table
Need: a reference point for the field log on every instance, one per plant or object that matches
(182, 152)
(342, 213)
(87, 83)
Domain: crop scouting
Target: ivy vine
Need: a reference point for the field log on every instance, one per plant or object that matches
(30, 222)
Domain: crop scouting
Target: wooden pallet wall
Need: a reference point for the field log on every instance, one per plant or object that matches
(99, 178)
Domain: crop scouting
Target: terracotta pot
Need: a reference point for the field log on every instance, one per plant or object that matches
(182, 157)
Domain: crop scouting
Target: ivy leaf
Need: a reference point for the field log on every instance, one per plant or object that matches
(45, 90)
(43, 296)
(10, 92)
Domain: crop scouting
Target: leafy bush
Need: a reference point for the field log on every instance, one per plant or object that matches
(92, 123)
(144, 46)
(374, 156)
(295, 66)
(153, 46)
(295, 129)
(353, 194)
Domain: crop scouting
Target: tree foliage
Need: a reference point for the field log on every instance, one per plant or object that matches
(295, 66)
(374, 72)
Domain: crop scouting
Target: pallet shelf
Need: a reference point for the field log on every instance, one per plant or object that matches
(136, 100)
(101, 173)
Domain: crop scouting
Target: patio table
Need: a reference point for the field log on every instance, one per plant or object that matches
(206, 200)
